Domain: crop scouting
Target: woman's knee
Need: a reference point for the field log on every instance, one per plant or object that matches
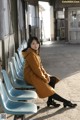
(54, 79)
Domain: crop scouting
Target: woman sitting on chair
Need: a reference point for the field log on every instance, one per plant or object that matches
(35, 74)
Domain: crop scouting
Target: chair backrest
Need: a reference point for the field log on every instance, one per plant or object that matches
(16, 83)
(18, 60)
(12, 71)
(18, 71)
(21, 47)
(3, 96)
(13, 74)
(20, 55)
(24, 44)
(15, 64)
(8, 84)
(20, 66)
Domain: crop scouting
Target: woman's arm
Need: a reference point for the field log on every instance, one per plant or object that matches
(35, 66)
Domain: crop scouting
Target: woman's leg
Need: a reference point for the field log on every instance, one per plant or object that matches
(61, 99)
(53, 81)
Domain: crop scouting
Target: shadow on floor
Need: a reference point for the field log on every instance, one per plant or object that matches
(61, 110)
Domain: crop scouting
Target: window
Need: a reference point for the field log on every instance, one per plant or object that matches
(60, 15)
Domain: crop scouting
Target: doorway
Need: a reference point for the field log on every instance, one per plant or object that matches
(60, 24)
(74, 25)
(44, 21)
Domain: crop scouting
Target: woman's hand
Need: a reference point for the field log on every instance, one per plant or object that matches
(48, 77)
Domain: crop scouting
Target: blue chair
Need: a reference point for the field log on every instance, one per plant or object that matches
(21, 67)
(20, 55)
(19, 73)
(15, 94)
(16, 82)
(22, 46)
(15, 107)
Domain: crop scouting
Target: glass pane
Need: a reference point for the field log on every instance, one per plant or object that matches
(73, 19)
(78, 12)
(60, 14)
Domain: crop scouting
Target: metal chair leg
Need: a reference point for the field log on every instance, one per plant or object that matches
(19, 116)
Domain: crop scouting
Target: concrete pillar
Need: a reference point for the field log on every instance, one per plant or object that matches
(66, 24)
(37, 21)
(51, 23)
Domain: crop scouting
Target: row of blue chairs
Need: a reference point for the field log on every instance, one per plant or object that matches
(16, 70)
(14, 92)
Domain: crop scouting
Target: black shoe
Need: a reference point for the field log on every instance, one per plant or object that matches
(52, 103)
(69, 104)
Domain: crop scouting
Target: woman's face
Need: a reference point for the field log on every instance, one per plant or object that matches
(35, 45)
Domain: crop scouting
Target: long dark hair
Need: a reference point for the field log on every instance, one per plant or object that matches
(30, 40)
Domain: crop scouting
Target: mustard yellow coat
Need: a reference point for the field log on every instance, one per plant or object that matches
(35, 74)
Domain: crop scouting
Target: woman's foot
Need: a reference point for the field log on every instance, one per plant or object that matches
(69, 104)
(49, 103)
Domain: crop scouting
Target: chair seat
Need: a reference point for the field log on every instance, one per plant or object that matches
(22, 94)
(21, 84)
(20, 108)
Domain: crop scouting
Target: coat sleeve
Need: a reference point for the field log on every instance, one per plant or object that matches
(46, 74)
(35, 66)
(42, 68)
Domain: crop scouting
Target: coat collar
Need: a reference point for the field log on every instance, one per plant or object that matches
(28, 51)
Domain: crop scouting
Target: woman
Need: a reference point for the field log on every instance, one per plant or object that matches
(35, 74)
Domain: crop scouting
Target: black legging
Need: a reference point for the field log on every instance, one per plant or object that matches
(58, 98)
(53, 81)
